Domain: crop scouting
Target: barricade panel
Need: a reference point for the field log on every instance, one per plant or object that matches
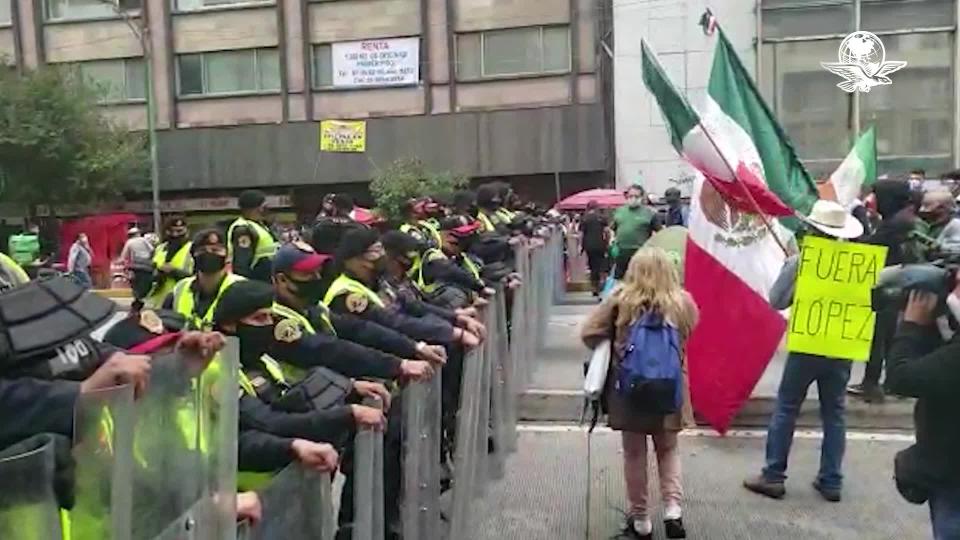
(297, 505)
(28, 504)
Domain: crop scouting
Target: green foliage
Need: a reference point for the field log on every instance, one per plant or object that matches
(406, 179)
(56, 146)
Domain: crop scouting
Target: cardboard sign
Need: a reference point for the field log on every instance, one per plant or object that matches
(831, 314)
(343, 136)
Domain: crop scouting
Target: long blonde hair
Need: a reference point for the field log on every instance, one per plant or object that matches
(652, 283)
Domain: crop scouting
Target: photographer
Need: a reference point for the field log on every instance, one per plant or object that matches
(921, 366)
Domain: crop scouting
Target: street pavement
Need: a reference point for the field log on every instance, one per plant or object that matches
(544, 494)
(555, 389)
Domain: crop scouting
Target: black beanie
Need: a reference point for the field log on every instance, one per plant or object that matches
(241, 299)
(354, 242)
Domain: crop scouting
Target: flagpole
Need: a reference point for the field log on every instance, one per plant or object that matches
(710, 24)
(753, 201)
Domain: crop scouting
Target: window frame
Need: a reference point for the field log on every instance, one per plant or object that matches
(240, 4)
(9, 22)
(238, 93)
(113, 15)
(331, 88)
(125, 61)
(483, 76)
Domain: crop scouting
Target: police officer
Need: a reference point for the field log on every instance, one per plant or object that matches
(250, 241)
(489, 211)
(419, 222)
(11, 273)
(196, 297)
(172, 261)
(299, 287)
(361, 263)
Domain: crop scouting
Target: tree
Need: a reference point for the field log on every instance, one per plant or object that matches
(55, 145)
(406, 179)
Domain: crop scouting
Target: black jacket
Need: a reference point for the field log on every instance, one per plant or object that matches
(31, 406)
(921, 366)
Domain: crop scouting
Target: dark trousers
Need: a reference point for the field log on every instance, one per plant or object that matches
(884, 329)
(622, 261)
(598, 264)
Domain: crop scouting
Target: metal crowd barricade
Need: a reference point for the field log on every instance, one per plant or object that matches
(420, 508)
(368, 520)
(297, 505)
(28, 504)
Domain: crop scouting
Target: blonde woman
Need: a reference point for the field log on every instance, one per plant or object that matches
(651, 285)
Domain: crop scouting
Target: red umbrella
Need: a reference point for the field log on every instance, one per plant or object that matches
(606, 198)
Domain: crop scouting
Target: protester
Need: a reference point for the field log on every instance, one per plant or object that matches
(921, 367)
(594, 240)
(651, 287)
(916, 178)
(79, 261)
(633, 224)
(898, 221)
(939, 211)
(829, 220)
(677, 214)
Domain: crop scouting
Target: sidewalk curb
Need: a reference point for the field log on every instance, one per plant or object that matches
(537, 405)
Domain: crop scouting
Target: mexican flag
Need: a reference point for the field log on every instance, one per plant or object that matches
(857, 170)
(732, 259)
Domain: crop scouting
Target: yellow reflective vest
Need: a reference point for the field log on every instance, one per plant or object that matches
(347, 285)
(184, 302)
(266, 245)
(181, 260)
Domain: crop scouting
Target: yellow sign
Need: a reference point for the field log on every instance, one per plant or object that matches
(831, 314)
(343, 136)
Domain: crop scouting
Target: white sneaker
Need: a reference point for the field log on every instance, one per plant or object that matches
(672, 512)
(642, 526)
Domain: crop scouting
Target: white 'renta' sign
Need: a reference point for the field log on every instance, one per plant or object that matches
(376, 62)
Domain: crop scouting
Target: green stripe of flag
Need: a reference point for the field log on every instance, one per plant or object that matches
(734, 91)
(678, 114)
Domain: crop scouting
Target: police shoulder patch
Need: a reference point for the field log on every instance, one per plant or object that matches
(150, 321)
(356, 303)
(244, 241)
(287, 331)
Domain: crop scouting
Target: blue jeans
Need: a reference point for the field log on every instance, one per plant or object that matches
(831, 376)
(83, 278)
(945, 514)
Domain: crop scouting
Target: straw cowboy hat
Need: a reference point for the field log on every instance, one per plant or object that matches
(832, 219)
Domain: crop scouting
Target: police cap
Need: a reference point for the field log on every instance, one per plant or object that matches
(354, 243)
(298, 257)
(251, 199)
(241, 299)
(400, 244)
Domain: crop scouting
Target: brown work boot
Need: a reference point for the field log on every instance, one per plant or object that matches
(761, 485)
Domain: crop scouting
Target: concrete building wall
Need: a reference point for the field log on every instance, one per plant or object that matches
(341, 21)
(225, 30)
(75, 42)
(8, 53)
(644, 152)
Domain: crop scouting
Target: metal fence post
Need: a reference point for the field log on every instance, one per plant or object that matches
(368, 482)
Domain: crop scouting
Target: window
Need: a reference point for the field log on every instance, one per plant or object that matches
(117, 81)
(62, 10)
(515, 51)
(367, 63)
(229, 72)
(322, 66)
(5, 17)
(912, 114)
(194, 5)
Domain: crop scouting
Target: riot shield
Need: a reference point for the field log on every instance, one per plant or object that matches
(421, 460)
(103, 453)
(185, 448)
(28, 505)
(368, 516)
(297, 505)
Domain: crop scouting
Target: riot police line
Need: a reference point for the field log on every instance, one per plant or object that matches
(141, 471)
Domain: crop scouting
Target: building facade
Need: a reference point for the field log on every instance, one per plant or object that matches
(486, 88)
(783, 42)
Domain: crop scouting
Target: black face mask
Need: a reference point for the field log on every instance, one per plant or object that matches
(379, 268)
(209, 263)
(254, 341)
(310, 291)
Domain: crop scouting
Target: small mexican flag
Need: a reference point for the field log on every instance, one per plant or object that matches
(746, 164)
(857, 170)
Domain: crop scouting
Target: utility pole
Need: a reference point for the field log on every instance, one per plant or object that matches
(141, 30)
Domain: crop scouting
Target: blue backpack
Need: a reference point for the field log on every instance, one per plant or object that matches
(651, 373)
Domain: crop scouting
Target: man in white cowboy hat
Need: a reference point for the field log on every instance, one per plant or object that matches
(827, 219)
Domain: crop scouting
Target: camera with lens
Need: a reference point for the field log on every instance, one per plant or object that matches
(896, 282)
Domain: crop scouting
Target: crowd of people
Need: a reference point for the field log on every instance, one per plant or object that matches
(917, 339)
(331, 323)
